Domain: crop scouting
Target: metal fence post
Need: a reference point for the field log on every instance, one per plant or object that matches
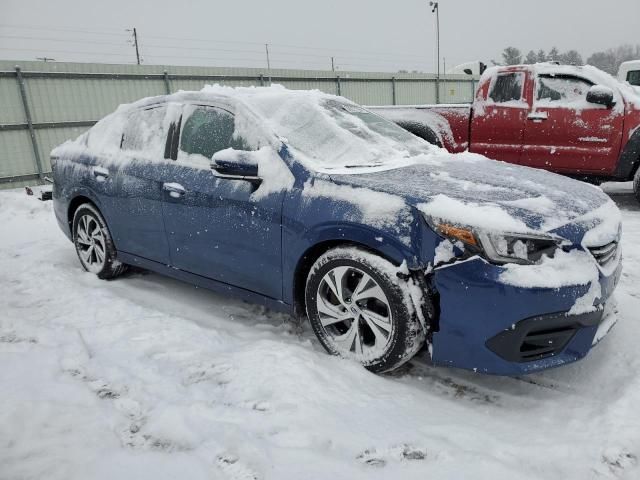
(338, 87)
(393, 90)
(167, 85)
(27, 112)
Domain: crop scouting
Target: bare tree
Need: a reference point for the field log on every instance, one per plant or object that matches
(610, 60)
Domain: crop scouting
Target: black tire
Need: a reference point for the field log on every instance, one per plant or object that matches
(636, 184)
(110, 267)
(406, 336)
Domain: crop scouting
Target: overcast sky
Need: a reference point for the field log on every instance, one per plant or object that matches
(380, 35)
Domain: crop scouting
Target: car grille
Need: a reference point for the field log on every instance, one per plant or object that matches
(605, 253)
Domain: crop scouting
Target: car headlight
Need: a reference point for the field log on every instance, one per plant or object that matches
(501, 248)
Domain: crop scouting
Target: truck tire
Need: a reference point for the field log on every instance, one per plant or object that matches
(636, 184)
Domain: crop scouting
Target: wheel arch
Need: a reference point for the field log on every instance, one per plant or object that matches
(422, 130)
(629, 160)
(73, 206)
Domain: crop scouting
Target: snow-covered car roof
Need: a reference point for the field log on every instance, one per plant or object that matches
(326, 132)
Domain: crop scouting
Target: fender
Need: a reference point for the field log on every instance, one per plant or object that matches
(303, 251)
(422, 130)
(65, 192)
(629, 159)
(374, 239)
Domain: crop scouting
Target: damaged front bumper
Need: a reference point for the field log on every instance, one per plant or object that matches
(488, 326)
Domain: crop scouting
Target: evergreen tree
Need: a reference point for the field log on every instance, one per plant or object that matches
(511, 56)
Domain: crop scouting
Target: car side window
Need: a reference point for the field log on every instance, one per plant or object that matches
(208, 130)
(146, 132)
(561, 90)
(633, 77)
(507, 87)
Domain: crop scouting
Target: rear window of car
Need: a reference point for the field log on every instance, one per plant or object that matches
(507, 87)
(146, 132)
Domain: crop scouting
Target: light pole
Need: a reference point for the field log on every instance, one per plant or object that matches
(436, 10)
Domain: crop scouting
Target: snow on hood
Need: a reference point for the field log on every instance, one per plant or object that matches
(472, 190)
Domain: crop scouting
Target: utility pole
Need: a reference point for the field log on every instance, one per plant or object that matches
(135, 42)
(266, 49)
(333, 65)
(436, 10)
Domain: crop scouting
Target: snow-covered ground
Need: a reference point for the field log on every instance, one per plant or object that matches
(148, 378)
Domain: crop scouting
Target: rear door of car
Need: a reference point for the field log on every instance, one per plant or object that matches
(498, 121)
(216, 227)
(134, 207)
(564, 133)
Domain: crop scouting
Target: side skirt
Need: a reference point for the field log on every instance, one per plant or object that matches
(204, 282)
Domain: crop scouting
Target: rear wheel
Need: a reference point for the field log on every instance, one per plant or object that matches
(358, 309)
(636, 184)
(93, 243)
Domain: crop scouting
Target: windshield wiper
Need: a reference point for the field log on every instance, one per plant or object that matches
(364, 165)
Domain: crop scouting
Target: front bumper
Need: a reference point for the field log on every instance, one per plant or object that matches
(492, 327)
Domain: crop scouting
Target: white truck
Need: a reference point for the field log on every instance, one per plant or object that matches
(630, 72)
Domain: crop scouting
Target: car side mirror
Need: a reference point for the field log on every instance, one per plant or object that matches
(601, 95)
(235, 164)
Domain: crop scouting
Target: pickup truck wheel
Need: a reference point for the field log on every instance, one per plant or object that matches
(636, 184)
(93, 243)
(358, 309)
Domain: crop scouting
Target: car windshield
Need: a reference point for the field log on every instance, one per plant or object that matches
(333, 135)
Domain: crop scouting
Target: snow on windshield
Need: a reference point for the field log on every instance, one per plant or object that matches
(327, 132)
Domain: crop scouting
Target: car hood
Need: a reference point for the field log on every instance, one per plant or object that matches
(473, 190)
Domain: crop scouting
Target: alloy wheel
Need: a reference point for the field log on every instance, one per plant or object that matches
(90, 243)
(354, 312)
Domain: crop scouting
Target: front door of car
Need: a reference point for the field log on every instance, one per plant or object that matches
(217, 227)
(564, 133)
(497, 124)
(134, 208)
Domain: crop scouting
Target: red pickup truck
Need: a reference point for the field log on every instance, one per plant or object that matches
(577, 121)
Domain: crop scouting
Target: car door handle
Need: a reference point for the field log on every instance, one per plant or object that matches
(100, 173)
(175, 189)
(538, 116)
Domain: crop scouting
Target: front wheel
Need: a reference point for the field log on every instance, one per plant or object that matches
(93, 243)
(360, 309)
(636, 184)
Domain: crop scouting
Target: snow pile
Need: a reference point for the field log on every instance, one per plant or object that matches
(490, 216)
(375, 208)
(273, 172)
(576, 267)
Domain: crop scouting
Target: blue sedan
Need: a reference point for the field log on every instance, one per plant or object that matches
(310, 204)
